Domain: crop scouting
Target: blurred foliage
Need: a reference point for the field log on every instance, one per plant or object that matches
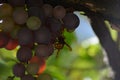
(82, 63)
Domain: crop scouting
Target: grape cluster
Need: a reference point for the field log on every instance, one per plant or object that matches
(38, 29)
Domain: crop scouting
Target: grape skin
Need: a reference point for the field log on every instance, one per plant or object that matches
(59, 12)
(20, 16)
(71, 21)
(6, 10)
(25, 36)
(48, 10)
(44, 50)
(24, 54)
(42, 35)
(19, 70)
(3, 39)
(27, 77)
(33, 23)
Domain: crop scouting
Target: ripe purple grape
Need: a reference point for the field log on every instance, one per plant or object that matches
(20, 16)
(24, 54)
(44, 50)
(48, 10)
(71, 21)
(42, 35)
(55, 26)
(25, 36)
(19, 70)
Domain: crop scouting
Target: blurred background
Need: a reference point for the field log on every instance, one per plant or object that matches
(86, 61)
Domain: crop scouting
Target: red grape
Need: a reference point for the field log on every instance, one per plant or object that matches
(12, 44)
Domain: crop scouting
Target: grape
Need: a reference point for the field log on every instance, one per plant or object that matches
(42, 35)
(27, 77)
(35, 59)
(32, 68)
(15, 30)
(38, 12)
(71, 21)
(55, 26)
(20, 16)
(3, 39)
(34, 3)
(5, 10)
(48, 10)
(59, 12)
(12, 44)
(19, 70)
(33, 23)
(44, 76)
(44, 50)
(42, 66)
(40, 61)
(25, 36)
(16, 3)
(24, 54)
(8, 24)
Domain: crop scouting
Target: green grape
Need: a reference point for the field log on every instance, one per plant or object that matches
(32, 68)
(33, 23)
